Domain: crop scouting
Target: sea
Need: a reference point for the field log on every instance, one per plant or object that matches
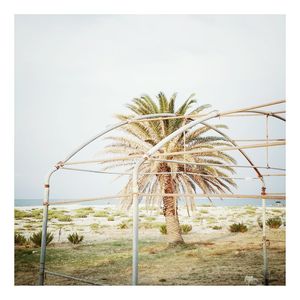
(214, 202)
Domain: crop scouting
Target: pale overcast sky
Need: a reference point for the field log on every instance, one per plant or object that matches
(73, 73)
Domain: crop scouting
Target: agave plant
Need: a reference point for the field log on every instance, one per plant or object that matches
(170, 178)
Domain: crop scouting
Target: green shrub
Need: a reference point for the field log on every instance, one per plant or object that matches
(150, 218)
(216, 227)
(198, 219)
(65, 218)
(95, 226)
(20, 214)
(81, 215)
(56, 214)
(204, 211)
(274, 222)
(85, 210)
(74, 238)
(36, 238)
(101, 214)
(238, 227)
(186, 228)
(123, 225)
(163, 229)
(20, 239)
(210, 220)
(110, 219)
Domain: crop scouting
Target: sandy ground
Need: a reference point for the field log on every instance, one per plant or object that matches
(95, 228)
(212, 256)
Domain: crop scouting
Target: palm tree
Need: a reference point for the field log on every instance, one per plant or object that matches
(169, 178)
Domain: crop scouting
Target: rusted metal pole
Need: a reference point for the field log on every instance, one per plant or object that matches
(44, 228)
(264, 238)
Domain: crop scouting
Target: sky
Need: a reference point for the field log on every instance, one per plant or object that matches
(73, 73)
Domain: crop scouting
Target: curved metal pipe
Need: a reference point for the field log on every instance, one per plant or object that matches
(60, 165)
(155, 148)
(112, 127)
(265, 113)
(234, 143)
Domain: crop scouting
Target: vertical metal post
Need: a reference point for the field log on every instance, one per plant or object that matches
(44, 235)
(264, 239)
(135, 217)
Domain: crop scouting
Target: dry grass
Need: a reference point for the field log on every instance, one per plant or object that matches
(224, 259)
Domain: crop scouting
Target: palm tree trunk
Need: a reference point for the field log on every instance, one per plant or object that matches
(170, 209)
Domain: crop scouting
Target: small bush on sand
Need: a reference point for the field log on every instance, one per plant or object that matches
(204, 211)
(55, 214)
(20, 214)
(81, 215)
(110, 219)
(86, 210)
(20, 239)
(123, 225)
(216, 227)
(36, 238)
(95, 226)
(163, 229)
(64, 218)
(150, 218)
(101, 214)
(238, 227)
(74, 238)
(186, 228)
(274, 222)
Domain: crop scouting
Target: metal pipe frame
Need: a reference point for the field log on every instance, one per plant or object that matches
(217, 165)
(178, 172)
(123, 158)
(71, 277)
(140, 161)
(58, 166)
(158, 146)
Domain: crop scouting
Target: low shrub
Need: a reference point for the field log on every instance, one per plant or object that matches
(110, 219)
(74, 238)
(204, 211)
(64, 218)
(101, 214)
(163, 229)
(36, 238)
(150, 218)
(20, 214)
(95, 226)
(81, 215)
(216, 227)
(20, 239)
(56, 214)
(198, 219)
(85, 210)
(238, 227)
(274, 222)
(123, 225)
(186, 228)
